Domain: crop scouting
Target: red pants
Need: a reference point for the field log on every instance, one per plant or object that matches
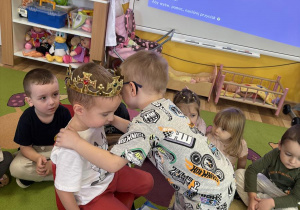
(131, 180)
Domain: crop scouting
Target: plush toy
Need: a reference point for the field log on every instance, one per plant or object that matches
(59, 48)
(81, 53)
(75, 41)
(35, 37)
(42, 49)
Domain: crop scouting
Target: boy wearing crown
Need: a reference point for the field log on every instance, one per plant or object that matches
(203, 178)
(37, 127)
(95, 96)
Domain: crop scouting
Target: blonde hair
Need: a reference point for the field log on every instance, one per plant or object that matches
(186, 96)
(99, 73)
(233, 121)
(148, 69)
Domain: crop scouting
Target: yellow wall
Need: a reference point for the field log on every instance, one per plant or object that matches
(290, 74)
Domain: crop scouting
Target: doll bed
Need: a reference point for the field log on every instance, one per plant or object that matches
(250, 90)
(179, 80)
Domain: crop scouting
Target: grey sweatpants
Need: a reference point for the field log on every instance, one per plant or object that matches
(265, 188)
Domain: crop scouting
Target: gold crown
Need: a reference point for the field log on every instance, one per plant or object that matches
(86, 86)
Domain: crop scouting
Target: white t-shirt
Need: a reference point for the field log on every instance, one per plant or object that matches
(76, 174)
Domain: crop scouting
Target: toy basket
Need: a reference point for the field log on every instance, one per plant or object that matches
(46, 14)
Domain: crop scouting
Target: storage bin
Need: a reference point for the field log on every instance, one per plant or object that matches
(46, 15)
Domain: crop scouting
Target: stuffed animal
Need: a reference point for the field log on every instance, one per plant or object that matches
(35, 37)
(80, 54)
(42, 49)
(59, 48)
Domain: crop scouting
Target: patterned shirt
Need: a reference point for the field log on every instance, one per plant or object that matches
(199, 173)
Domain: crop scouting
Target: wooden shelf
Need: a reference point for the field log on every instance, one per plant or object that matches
(65, 29)
(42, 59)
(14, 29)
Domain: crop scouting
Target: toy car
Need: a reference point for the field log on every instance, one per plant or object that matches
(22, 11)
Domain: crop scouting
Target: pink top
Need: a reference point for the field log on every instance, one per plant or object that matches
(242, 152)
(201, 125)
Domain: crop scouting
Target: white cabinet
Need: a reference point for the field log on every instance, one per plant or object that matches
(21, 25)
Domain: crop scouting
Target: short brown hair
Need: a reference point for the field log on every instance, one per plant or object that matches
(37, 76)
(99, 73)
(293, 134)
(147, 68)
(233, 121)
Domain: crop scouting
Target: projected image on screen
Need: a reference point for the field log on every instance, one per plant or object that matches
(274, 20)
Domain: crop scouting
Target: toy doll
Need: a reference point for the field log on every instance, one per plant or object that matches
(59, 48)
(80, 54)
(75, 41)
(35, 37)
(42, 49)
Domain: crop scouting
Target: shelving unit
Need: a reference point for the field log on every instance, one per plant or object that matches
(15, 28)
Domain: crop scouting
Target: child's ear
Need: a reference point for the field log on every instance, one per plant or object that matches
(29, 101)
(78, 109)
(279, 145)
(133, 90)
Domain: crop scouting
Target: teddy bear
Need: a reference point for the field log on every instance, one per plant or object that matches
(59, 48)
(35, 37)
(81, 52)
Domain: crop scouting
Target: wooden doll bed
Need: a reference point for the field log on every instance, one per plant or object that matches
(250, 90)
(179, 80)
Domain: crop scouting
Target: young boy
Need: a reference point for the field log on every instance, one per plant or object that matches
(273, 181)
(37, 128)
(202, 177)
(95, 96)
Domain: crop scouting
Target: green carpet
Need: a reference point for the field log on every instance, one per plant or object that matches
(41, 195)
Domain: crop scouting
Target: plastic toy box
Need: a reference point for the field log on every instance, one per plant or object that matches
(46, 14)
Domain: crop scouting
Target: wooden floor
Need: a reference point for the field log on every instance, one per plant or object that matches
(252, 112)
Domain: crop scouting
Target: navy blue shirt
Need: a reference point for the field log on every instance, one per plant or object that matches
(31, 131)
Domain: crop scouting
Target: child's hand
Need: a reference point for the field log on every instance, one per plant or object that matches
(41, 165)
(265, 204)
(253, 201)
(67, 138)
(48, 168)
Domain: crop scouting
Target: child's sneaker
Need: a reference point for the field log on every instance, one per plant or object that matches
(24, 183)
(4, 180)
